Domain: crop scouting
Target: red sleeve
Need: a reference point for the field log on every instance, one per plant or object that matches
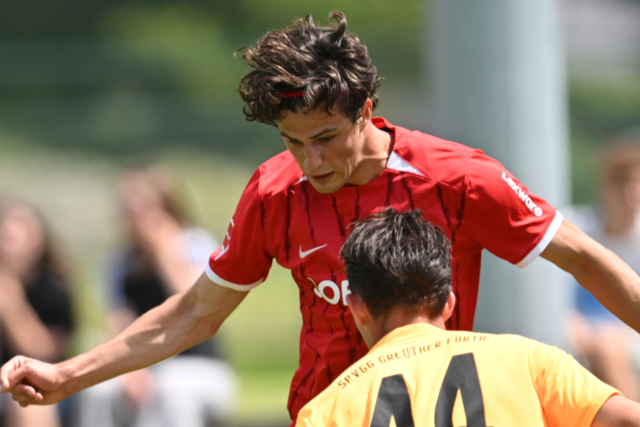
(242, 263)
(511, 222)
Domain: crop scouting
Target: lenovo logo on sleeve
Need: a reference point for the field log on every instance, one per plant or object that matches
(537, 211)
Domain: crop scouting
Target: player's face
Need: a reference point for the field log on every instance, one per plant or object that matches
(329, 148)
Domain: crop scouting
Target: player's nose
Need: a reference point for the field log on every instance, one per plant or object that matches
(312, 158)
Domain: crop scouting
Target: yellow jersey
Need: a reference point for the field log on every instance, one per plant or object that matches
(420, 375)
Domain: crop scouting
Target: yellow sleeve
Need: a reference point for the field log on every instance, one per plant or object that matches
(315, 414)
(569, 394)
(304, 417)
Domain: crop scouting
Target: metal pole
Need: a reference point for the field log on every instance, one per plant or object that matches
(497, 80)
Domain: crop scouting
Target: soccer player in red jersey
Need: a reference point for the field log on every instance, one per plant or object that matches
(318, 87)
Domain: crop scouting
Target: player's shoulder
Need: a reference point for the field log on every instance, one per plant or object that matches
(436, 158)
(510, 340)
(534, 353)
(277, 175)
(491, 343)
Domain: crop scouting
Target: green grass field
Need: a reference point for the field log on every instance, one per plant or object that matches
(76, 194)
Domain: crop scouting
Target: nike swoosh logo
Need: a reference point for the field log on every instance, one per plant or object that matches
(310, 251)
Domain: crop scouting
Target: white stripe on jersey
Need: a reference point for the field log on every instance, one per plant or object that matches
(396, 162)
(548, 236)
(220, 281)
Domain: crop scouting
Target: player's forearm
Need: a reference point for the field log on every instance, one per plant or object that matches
(613, 283)
(157, 335)
(179, 323)
(599, 271)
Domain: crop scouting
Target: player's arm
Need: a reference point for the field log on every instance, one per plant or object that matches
(598, 270)
(618, 411)
(180, 322)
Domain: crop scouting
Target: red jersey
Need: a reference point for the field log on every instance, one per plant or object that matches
(280, 216)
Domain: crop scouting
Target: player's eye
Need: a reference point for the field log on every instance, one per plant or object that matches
(326, 138)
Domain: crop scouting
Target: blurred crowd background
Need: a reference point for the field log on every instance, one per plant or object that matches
(88, 86)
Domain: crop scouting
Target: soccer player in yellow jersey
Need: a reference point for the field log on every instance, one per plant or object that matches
(417, 374)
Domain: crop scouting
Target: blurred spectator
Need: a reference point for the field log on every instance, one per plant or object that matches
(162, 256)
(603, 342)
(36, 316)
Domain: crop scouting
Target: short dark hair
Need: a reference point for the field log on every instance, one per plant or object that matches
(325, 66)
(398, 259)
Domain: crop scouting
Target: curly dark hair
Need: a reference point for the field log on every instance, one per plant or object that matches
(398, 259)
(305, 67)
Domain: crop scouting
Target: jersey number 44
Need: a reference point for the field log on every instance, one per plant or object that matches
(462, 375)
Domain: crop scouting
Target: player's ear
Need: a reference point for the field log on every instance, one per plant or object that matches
(366, 112)
(358, 309)
(449, 306)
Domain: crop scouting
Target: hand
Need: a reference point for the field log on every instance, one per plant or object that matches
(31, 382)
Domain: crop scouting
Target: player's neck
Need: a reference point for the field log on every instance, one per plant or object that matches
(375, 154)
(399, 318)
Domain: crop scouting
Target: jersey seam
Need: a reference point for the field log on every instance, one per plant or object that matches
(467, 185)
(424, 175)
(530, 344)
(261, 170)
(529, 366)
(467, 188)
